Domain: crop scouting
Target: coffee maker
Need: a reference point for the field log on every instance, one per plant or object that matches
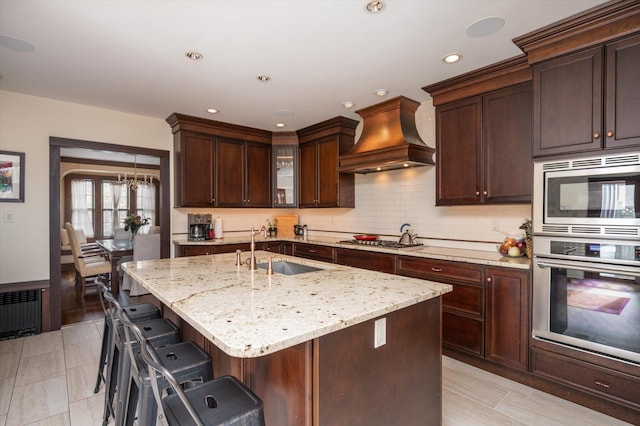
(200, 227)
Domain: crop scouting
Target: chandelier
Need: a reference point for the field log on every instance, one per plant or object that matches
(134, 183)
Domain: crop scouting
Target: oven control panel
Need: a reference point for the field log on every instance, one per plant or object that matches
(595, 250)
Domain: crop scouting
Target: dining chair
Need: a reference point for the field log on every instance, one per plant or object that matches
(121, 234)
(89, 259)
(145, 247)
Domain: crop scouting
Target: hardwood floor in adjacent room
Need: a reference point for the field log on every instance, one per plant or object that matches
(77, 309)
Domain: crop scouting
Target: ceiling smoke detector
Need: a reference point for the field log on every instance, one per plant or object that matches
(264, 78)
(196, 56)
(375, 6)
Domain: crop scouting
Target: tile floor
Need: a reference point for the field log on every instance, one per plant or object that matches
(48, 379)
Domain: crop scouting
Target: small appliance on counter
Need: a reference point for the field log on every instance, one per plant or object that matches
(298, 230)
(200, 227)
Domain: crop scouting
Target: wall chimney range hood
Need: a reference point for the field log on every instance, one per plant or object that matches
(389, 139)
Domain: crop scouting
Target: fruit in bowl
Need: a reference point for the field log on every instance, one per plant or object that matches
(513, 247)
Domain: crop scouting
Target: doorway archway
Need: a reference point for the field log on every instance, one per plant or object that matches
(55, 146)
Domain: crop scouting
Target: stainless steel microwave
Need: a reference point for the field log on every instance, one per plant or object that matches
(588, 196)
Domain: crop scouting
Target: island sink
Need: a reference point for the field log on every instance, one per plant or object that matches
(289, 268)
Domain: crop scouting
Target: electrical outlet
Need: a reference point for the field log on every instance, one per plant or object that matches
(380, 333)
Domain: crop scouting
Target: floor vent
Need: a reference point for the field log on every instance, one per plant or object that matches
(20, 313)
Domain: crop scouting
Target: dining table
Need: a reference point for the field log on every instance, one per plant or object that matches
(116, 250)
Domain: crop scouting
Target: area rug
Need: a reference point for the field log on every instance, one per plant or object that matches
(596, 302)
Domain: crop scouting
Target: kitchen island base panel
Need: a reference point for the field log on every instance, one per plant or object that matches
(341, 379)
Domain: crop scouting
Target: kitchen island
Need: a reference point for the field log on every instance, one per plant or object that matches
(305, 343)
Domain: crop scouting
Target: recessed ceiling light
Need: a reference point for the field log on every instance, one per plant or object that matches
(381, 92)
(374, 6)
(348, 104)
(451, 58)
(280, 125)
(485, 27)
(264, 78)
(212, 110)
(196, 56)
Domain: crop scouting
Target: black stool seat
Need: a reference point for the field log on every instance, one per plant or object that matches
(222, 401)
(188, 364)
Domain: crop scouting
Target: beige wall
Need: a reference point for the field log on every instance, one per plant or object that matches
(384, 201)
(26, 123)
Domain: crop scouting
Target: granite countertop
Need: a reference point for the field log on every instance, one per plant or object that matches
(488, 258)
(250, 313)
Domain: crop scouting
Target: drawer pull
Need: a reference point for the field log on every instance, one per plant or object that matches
(604, 385)
(436, 269)
(311, 251)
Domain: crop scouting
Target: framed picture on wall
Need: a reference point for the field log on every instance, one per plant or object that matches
(11, 176)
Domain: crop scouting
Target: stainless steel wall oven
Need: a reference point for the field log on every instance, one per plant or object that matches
(586, 295)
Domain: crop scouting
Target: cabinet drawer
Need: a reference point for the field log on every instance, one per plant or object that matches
(230, 248)
(462, 333)
(611, 384)
(440, 270)
(312, 251)
(200, 250)
(465, 297)
(381, 262)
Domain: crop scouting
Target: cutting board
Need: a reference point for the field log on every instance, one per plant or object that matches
(285, 225)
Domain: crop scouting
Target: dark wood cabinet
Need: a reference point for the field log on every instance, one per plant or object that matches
(381, 262)
(567, 96)
(194, 165)
(196, 250)
(462, 309)
(494, 132)
(320, 183)
(314, 252)
(588, 101)
(507, 317)
(243, 173)
(219, 164)
(622, 104)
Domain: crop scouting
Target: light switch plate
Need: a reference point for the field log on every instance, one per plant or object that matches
(8, 216)
(380, 333)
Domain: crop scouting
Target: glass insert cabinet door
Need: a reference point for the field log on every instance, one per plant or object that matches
(285, 166)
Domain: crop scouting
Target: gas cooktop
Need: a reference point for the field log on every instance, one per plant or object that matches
(378, 243)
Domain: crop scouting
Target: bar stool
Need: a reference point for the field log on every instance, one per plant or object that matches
(221, 401)
(189, 365)
(137, 313)
(158, 332)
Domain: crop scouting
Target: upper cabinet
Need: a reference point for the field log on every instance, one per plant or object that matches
(320, 183)
(588, 100)
(219, 164)
(585, 73)
(284, 153)
(483, 139)
(243, 171)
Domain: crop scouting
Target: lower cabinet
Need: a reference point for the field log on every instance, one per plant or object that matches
(486, 314)
(380, 262)
(206, 249)
(314, 252)
(507, 317)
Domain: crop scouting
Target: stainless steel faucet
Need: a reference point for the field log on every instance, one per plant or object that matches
(252, 259)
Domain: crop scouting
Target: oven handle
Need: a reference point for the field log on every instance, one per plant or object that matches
(579, 265)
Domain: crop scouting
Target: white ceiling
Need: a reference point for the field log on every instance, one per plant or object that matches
(131, 55)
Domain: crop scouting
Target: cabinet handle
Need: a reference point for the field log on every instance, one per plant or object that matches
(477, 192)
(489, 279)
(213, 200)
(312, 251)
(596, 135)
(609, 134)
(485, 192)
(604, 385)
(436, 269)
